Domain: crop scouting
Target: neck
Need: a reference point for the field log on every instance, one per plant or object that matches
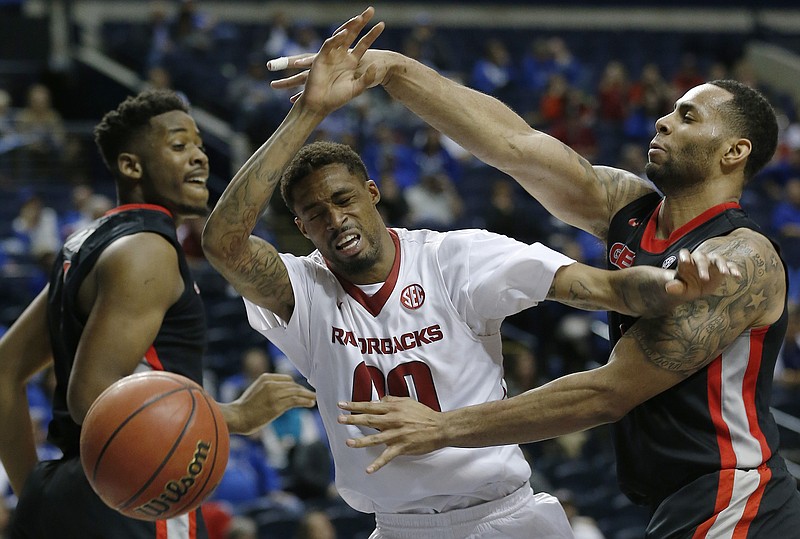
(678, 209)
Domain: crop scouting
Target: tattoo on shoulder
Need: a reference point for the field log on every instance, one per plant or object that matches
(695, 333)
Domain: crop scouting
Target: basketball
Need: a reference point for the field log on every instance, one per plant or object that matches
(154, 445)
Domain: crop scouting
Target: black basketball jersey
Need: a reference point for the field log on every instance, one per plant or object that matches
(180, 342)
(719, 417)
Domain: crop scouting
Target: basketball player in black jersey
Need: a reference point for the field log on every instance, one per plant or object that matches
(120, 300)
(688, 392)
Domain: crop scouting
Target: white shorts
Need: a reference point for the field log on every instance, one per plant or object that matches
(520, 515)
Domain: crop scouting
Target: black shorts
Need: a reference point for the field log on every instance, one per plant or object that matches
(58, 502)
(763, 503)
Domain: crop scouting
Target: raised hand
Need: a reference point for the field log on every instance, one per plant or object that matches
(406, 426)
(336, 75)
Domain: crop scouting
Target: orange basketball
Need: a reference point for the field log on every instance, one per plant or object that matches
(154, 445)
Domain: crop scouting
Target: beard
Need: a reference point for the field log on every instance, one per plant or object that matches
(681, 171)
(363, 262)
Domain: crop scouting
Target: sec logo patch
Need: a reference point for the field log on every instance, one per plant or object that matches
(412, 297)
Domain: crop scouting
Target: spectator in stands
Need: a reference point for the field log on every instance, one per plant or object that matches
(554, 102)
(86, 207)
(428, 46)
(42, 127)
(786, 224)
(393, 205)
(249, 476)
(521, 366)
(192, 28)
(304, 38)
(159, 78)
(565, 62)
(613, 95)
(159, 35)
(315, 525)
(9, 138)
(649, 99)
(537, 66)
(576, 128)
(493, 72)
(36, 233)
(433, 203)
(785, 165)
(241, 527)
(255, 108)
(388, 150)
(584, 527)
(688, 74)
(505, 214)
(218, 517)
(431, 157)
(253, 363)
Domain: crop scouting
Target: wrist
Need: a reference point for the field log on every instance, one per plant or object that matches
(232, 413)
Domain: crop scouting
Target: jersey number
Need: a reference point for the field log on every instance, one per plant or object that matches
(414, 375)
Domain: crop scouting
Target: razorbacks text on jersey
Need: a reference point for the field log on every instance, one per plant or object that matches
(431, 332)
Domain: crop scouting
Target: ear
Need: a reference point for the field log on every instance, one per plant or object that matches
(129, 166)
(300, 226)
(374, 192)
(737, 153)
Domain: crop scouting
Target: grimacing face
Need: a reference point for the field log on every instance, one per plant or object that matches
(175, 165)
(337, 212)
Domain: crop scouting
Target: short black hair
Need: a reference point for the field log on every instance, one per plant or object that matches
(314, 156)
(750, 115)
(119, 127)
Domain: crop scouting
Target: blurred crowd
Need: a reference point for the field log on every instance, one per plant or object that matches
(282, 475)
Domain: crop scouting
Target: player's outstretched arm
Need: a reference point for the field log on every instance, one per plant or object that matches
(264, 400)
(249, 263)
(24, 351)
(548, 169)
(652, 356)
(643, 290)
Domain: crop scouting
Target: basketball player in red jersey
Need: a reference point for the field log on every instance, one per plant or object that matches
(120, 299)
(375, 311)
(689, 391)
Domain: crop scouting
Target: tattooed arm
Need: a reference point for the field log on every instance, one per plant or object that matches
(642, 290)
(651, 357)
(249, 263)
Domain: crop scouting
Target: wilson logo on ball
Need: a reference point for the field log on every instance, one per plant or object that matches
(412, 296)
(175, 490)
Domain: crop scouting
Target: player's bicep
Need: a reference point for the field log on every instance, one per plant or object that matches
(695, 333)
(135, 282)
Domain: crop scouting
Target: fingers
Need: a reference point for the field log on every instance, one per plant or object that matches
(366, 42)
(386, 457)
(290, 82)
(364, 407)
(358, 22)
(370, 11)
(295, 61)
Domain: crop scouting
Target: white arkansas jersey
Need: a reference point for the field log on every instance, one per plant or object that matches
(430, 332)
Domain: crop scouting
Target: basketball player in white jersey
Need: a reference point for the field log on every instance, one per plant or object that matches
(376, 311)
